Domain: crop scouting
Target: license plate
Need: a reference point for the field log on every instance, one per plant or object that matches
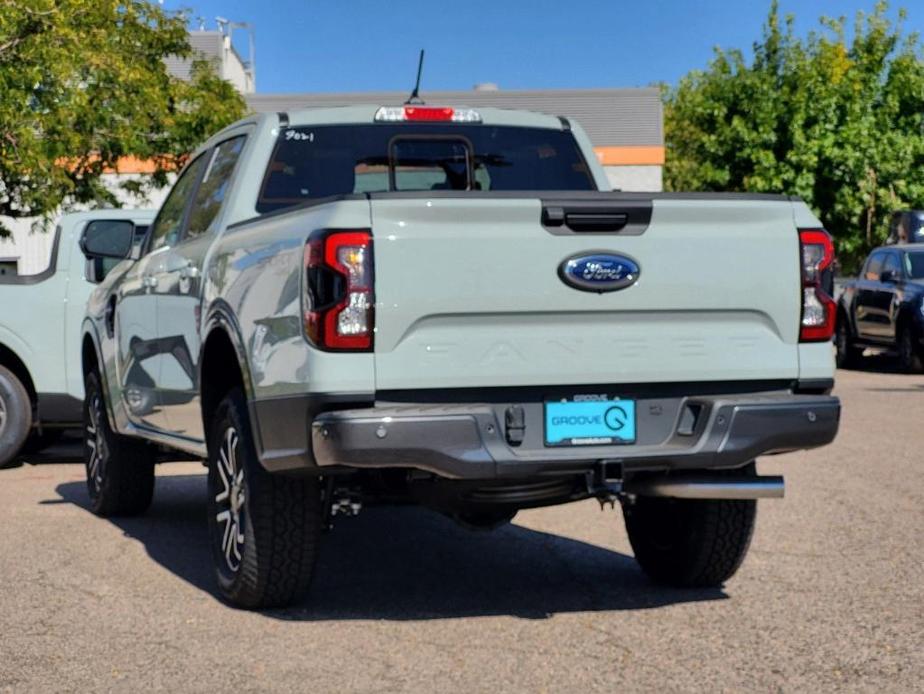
(589, 423)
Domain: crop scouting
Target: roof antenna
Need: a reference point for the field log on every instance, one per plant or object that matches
(414, 98)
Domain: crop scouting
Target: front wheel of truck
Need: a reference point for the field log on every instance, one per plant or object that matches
(264, 528)
(120, 470)
(690, 542)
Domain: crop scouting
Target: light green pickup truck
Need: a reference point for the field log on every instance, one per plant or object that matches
(447, 306)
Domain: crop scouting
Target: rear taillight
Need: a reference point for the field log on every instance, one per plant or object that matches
(818, 308)
(339, 300)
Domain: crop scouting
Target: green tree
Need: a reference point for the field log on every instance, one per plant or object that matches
(838, 121)
(83, 84)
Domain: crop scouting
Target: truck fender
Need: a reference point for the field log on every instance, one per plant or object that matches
(12, 342)
(221, 317)
(88, 331)
(13, 348)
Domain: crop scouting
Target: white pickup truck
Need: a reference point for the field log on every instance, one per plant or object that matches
(449, 307)
(41, 381)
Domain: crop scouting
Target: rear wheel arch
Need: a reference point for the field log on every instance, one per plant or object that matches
(17, 366)
(905, 318)
(843, 314)
(89, 358)
(220, 371)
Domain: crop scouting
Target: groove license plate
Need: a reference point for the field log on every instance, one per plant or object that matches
(589, 422)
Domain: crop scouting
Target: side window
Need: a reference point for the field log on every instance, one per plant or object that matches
(168, 225)
(892, 263)
(214, 186)
(874, 267)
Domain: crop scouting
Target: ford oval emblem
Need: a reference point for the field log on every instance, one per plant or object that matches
(599, 272)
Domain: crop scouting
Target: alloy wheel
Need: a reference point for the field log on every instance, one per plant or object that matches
(231, 500)
(96, 442)
(2, 415)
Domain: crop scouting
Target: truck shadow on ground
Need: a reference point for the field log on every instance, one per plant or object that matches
(411, 564)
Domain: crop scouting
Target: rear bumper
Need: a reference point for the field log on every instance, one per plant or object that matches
(468, 441)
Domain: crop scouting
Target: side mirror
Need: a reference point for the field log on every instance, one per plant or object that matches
(108, 239)
(888, 276)
(105, 243)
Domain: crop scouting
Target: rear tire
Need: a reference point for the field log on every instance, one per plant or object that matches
(15, 417)
(848, 354)
(690, 542)
(909, 355)
(120, 470)
(264, 529)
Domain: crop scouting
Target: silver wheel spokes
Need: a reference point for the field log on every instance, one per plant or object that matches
(230, 500)
(2, 415)
(96, 442)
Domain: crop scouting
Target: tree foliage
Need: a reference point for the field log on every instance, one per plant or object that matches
(836, 118)
(83, 84)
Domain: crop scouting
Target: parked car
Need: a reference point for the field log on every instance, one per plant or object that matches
(41, 380)
(437, 305)
(883, 307)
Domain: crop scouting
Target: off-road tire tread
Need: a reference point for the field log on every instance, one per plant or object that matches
(915, 364)
(850, 357)
(128, 484)
(10, 457)
(284, 527)
(718, 535)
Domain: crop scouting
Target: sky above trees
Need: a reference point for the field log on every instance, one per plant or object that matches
(363, 45)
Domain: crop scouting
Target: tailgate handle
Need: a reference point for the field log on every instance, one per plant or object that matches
(584, 220)
(596, 221)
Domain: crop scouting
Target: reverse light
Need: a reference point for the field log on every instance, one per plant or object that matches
(339, 301)
(818, 308)
(397, 114)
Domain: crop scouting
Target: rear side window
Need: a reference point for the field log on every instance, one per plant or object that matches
(316, 162)
(214, 186)
(167, 227)
(914, 265)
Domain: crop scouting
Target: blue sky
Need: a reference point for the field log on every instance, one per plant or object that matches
(361, 45)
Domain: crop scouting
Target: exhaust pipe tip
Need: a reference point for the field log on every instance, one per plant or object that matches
(709, 487)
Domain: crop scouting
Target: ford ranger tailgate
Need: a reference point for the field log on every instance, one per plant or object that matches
(471, 289)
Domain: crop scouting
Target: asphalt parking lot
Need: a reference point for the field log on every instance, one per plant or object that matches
(830, 597)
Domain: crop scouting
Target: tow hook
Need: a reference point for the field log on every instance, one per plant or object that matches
(339, 501)
(606, 489)
(345, 504)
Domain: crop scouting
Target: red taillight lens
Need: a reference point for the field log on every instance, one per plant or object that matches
(818, 308)
(397, 114)
(427, 113)
(339, 300)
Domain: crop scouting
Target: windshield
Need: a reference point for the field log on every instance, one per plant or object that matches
(914, 265)
(316, 162)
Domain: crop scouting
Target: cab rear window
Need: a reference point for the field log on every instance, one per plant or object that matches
(317, 162)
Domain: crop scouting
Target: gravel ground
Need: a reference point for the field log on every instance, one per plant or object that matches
(831, 596)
